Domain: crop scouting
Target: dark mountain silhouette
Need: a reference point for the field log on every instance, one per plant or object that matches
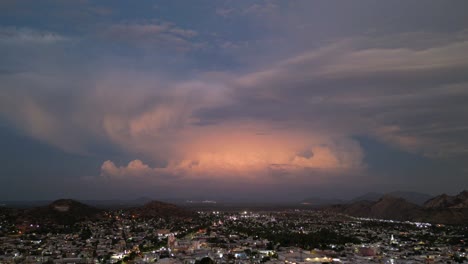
(387, 207)
(413, 197)
(446, 208)
(446, 201)
(63, 211)
(442, 209)
(158, 209)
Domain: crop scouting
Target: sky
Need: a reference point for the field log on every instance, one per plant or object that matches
(232, 100)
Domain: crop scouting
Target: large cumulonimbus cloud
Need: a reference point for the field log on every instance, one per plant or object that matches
(284, 107)
(259, 122)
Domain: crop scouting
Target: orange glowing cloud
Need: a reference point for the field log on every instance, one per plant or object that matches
(238, 149)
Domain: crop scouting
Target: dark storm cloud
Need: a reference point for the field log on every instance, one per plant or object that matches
(363, 91)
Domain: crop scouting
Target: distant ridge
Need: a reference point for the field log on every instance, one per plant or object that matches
(447, 201)
(442, 209)
(387, 207)
(371, 197)
(158, 209)
(413, 197)
(316, 201)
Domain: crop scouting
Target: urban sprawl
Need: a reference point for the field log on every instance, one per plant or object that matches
(289, 236)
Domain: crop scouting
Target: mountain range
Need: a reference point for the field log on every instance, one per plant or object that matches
(413, 197)
(442, 209)
(447, 201)
(68, 212)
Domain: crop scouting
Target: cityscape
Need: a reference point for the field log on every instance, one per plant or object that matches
(67, 231)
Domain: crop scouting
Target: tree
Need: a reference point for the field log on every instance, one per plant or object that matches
(207, 260)
(270, 246)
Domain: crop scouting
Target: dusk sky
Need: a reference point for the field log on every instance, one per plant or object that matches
(232, 99)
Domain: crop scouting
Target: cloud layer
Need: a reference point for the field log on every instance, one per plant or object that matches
(238, 93)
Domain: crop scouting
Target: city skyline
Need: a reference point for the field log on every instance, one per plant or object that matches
(255, 100)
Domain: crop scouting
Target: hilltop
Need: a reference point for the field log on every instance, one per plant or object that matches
(63, 211)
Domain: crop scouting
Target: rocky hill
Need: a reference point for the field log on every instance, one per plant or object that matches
(64, 211)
